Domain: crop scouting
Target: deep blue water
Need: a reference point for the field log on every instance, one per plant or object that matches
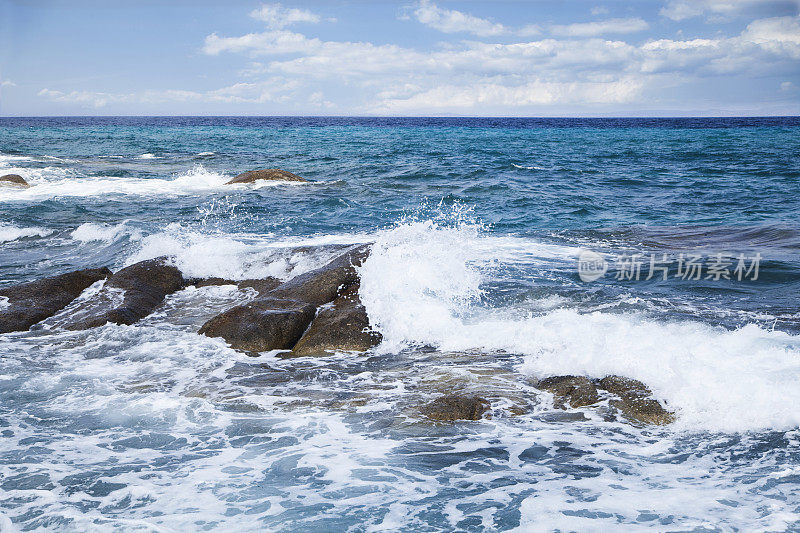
(480, 221)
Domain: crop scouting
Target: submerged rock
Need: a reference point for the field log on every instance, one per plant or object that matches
(14, 180)
(636, 402)
(577, 391)
(29, 303)
(324, 284)
(268, 174)
(342, 326)
(262, 286)
(261, 325)
(455, 407)
(143, 286)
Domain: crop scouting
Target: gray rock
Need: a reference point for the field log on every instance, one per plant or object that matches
(14, 180)
(456, 407)
(32, 302)
(636, 402)
(261, 325)
(268, 174)
(342, 326)
(262, 286)
(144, 285)
(577, 391)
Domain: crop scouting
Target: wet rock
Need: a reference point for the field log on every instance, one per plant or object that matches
(268, 174)
(29, 303)
(14, 180)
(143, 286)
(262, 286)
(324, 284)
(261, 325)
(455, 407)
(636, 402)
(342, 326)
(577, 391)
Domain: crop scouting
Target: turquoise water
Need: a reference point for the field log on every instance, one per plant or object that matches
(478, 224)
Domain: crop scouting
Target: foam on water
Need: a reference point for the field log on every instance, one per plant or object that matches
(107, 233)
(51, 183)
(422, 286)
(11, 232)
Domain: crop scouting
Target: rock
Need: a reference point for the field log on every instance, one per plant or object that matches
(268, 174)
(29, 303)
(262, 286)
(143, 286)
(14, 180)
(636, 401)
(578, 391)
(342, 326)
(324, 284)
(455, 407)
(261, 325)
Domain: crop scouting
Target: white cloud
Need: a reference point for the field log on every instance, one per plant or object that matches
(603, 27)
(787, 86)
(684, 9)
(451, 21)
(273, 90)
(599, 10)
(276, 16)
(7, 83)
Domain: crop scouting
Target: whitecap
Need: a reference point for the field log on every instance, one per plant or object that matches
(10, 232)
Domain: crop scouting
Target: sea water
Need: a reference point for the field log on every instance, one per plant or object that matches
(473, 281)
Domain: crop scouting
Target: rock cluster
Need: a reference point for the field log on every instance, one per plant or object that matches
(452, 407)
(632, 398)
(287, 318)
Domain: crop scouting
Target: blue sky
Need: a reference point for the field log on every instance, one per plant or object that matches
(515, 58)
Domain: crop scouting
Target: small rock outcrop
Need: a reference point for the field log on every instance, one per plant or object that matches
(262, 286)
(268, 174)
(29, 303)
(636, 402)
(277, 319)
(324, 284)
(455, 407)
(261, 325)
(342, 326)
(14, 180)
(577, 391)
(142, 287)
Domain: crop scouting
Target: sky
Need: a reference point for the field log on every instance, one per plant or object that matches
(417, 58)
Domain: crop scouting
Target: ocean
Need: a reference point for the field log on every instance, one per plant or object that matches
(688, 236)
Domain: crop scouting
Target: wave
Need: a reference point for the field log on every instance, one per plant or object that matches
(422, 286)
(10, 232)
(532, 167)
(198, 179)
(244, 256)
(90, 232)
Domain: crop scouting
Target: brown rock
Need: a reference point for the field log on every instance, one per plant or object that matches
(455, 407)
(636, 401)
(578, 391)
(32, 302)
(322, 285)
(342, 326)
(269, 174)
(262, 286)
(261, 325)
(144, 284)
(14, 180)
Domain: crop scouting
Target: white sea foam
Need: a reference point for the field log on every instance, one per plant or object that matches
(531, 167)
(148, 156)
(50, 184)
(10, 232)
(206, 154)
(231, 256)
(4, 303)
(421, 285)
(90, 232)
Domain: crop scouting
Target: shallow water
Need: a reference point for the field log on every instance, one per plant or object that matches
(476, 225)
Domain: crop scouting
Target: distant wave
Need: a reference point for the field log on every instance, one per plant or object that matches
(10, 232)
(528, 168)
